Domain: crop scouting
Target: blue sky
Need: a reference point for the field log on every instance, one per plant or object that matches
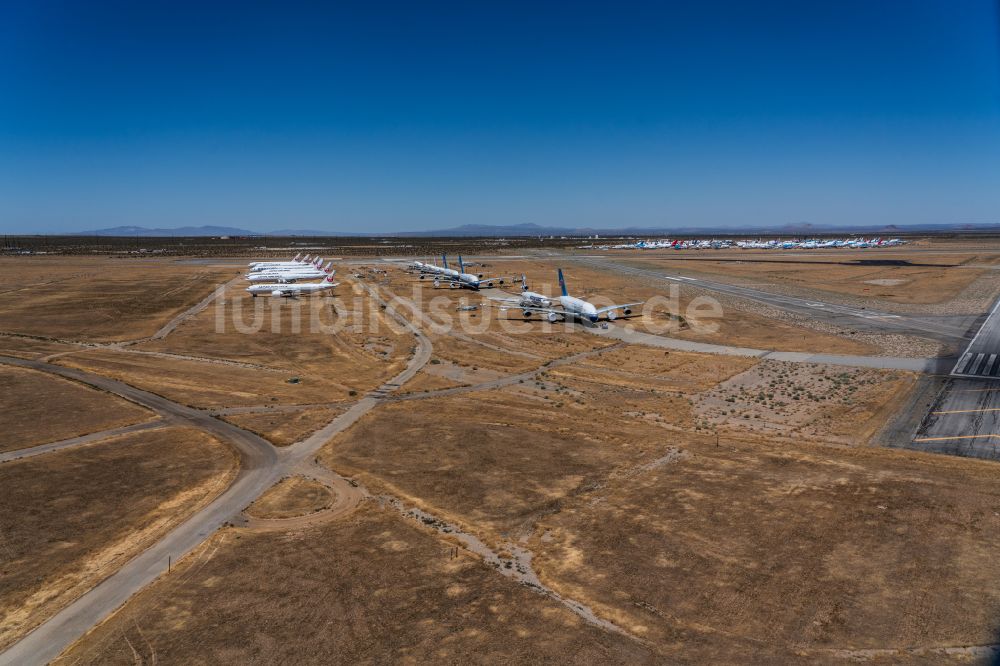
(388, 117)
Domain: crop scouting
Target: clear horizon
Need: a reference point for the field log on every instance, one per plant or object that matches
(408, 118)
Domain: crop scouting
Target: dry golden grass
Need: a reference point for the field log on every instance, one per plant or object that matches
(820, 403)
(897, 275)
(371, 589)
(770, 547)
(300, 337)
(291, 497)
(11, 345)
(75, 516)
(283, 428)
(98, 299)
(41, 408)
(432, 379)
(204, 384)
(640, 366)
(497, 459)
(755, 551)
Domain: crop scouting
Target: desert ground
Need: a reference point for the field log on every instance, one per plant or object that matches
(386, 474)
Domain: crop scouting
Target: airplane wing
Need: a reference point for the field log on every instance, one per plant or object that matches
(618, 307)
(510, 300)
(535, 308)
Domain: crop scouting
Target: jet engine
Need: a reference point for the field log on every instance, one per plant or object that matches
(437, 283)
(276, 292)
(627, 311)
(527, 314)
(553, 317)
(611, 315)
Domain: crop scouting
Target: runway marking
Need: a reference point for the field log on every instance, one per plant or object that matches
(968, 411)
(967, 354)
(938, 439)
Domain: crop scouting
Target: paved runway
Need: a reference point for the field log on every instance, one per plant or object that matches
(964, 421)
(981, 357)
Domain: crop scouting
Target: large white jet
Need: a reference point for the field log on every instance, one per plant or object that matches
(294, 262)
(526, 299)
(571, 307)
(315, 263)
(460, 279)
(432, 270)
(292, 289)
(290, 274)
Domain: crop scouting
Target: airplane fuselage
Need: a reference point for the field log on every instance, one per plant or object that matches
(288, 289)
(532, 299)
(579, 307)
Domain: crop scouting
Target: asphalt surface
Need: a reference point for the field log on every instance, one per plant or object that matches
(945, 329)
(964, 420)
(981, 357)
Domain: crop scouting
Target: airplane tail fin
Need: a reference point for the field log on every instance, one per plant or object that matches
(329, 278)
(562, 283)
(297, 257)
(329, 265)
(306, 260)
(318, 262)
(461, 266)
(524, 282)
(444, 260)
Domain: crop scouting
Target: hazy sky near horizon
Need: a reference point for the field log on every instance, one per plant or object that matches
(404, 116)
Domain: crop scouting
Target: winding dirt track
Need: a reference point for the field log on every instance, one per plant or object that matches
(261, 466)
(31, 451)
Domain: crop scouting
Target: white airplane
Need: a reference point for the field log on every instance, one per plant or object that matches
(290, 274)
(294, 262)
(315, 263)
(461, 279)
(571, 307)
(526, 299)
(432, 270)
(293, 290)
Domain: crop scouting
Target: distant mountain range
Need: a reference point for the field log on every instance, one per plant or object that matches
(515, 230)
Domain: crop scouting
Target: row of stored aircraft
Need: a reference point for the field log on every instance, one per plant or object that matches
(460, 279)
(528, 302)
(723, 244)
(284, 278)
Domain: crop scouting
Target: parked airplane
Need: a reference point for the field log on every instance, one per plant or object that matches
(571, 307)
(432, 270)
(290, 274)
(294, 262)
(526, 299)
(316, 263)
(293, 290)
(461, 279)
